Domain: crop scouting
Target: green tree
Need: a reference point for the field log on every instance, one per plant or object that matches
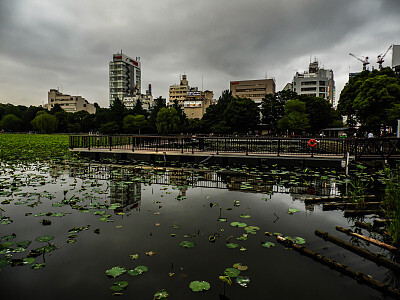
(117, 112)
(11, 123)
(183, 119)
(242, 115)
(159, 103)
(167, 120)
(134, 123)
(320, 113)
(272, 111)
(213, 119)
(55, 109)
(295, 119)
(368, 96)
(109, 128)
(44, 122)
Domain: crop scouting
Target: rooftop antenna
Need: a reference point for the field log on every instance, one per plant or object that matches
(266, 75)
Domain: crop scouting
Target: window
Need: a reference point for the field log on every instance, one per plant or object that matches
(321, 82)
(322, 95)
(308, 89)
(322, 89)
(308, 83)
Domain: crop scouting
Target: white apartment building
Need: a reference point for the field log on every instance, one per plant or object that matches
(68, 103)
(317, 82)
(125, 76)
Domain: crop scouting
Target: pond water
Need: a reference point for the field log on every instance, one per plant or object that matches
(103, 215)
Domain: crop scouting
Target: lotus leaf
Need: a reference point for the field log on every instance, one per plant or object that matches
(115, 271)
(226, 279)
(240, 267)
(71, 241)
(291, 211)
(297, 240)
(150, 253)
(234, 224)
(8, 237)
(28, 260)
(267, 244)
(161, 295)
(231, 272)
(243, 249)
(186, 244)
(222, 219)
(243, 281)
(119, 286)
(38, 266)
(231, 245)
(245, 216)
(4, 261)
(44, 238)
(176, 226)
(134, 256)
(199, 286)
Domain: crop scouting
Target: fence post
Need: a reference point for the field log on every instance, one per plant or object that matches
(279, 146)
(89, 142)
(247, 146)
(182, 144)
(217, 147)
(110, 142)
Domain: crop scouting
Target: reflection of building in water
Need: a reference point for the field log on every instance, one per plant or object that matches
(127, 194)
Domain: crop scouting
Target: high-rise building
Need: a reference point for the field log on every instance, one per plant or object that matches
(316, 82)
(396, 58)
(125, 77)
(253, 89)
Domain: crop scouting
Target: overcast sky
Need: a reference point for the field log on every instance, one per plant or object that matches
(68, 44)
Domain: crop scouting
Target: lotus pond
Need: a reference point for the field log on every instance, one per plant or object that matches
(84, 230)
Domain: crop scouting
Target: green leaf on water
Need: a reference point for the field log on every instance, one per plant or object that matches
(231, 272)
(119, 286)
(115, 271)
(44, 238)
(28, 260)
(267, 244)
(134, 256)
(186, 244)
(243, 281)
(240, 267)
(245, 216)
(231, 245)
(38, 266)
(199, 286)
(296, 240)
(163, 294)
(24, 244)
(8, 237)
(291, 211)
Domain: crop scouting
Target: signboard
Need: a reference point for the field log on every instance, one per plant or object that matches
(192, 103)
(193, 93)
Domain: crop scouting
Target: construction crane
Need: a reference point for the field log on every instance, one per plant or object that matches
(363, 59)
(381, 56)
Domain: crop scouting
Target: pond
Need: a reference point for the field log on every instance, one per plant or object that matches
(104, 216)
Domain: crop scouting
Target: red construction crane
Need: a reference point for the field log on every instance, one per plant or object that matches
(381, 56)
(363, 59)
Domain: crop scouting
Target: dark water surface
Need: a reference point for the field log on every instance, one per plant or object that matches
(144, 223)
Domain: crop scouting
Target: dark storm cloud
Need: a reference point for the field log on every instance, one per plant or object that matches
(46, 44)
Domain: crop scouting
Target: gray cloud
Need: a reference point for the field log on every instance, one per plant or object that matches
(48, 44)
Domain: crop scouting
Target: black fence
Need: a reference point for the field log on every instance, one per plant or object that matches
(379, 148)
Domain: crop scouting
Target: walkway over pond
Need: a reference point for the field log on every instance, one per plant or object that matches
(261, 147)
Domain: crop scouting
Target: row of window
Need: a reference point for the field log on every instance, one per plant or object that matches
(250, 90)
(321, 82)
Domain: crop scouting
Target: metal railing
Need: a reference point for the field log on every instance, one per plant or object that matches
(379, 148)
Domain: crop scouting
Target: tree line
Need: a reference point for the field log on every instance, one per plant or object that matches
(370, 99)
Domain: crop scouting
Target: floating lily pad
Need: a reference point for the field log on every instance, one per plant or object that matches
(291, 211)
(4, 261)
(44, 238)
(296, 239)
(119, 286)
(8, 237)
(245, 216)
(222, 220)
(28, 260)
(161, 295)
(243, 281)
(240, 267)
(38, 266)
(115, 271)
(134, 256)
(199, 286)
(186, 244)
(231, 272)
(267, 244)
(231, 245)
(176, 226)
(226, 279)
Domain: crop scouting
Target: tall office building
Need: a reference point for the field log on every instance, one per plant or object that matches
(396, 58)
(317, 82)
(125, 77)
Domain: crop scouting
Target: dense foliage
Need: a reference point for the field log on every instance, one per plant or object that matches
(372, 99)
(32, 147)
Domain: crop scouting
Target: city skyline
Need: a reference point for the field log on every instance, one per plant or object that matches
(68, 45)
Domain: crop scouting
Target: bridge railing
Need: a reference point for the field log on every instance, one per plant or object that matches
(381, 148)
